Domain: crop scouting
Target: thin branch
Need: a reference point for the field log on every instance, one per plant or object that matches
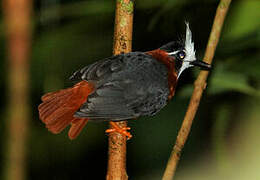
(199, 86)
(122, 44)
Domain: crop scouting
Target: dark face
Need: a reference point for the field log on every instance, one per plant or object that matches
(173, 46)
(179, 56)
(184, 53)
(184, 58)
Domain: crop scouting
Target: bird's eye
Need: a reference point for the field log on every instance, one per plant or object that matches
(181, 54)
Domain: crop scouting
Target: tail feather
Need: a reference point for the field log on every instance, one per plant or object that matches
(76, 127)
(55, 94)
(51, 105)
(55, 106)
(49, 108)
(58, 108)
(58, 115)
(61, 122)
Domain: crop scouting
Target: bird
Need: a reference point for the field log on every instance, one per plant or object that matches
(120, 87)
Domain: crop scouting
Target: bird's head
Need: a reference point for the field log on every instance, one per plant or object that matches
(183, 54)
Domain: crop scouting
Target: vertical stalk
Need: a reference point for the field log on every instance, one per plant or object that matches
(199, 86)
(18, 34)
(122, 44)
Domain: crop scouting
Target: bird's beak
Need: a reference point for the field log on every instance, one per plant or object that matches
(201, 64)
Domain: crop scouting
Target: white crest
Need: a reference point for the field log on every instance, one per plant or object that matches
(189, 50)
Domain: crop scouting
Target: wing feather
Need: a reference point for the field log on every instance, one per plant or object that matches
(126, 87)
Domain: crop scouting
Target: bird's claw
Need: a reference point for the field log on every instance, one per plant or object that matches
(123, 131)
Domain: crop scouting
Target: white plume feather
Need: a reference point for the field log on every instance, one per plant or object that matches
(189, 50)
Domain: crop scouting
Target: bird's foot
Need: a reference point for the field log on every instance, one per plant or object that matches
(123, 131)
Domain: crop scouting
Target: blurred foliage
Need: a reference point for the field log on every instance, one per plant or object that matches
(70, 34)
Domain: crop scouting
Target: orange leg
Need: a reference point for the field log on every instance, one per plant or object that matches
(116, 128)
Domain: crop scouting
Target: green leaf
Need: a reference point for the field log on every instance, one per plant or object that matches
(243, 20)
(224, 80)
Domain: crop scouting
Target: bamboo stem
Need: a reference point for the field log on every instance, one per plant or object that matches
(199, 86)
(122, 44)
(18, 35)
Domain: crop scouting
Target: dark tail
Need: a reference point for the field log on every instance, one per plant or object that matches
(58, 108)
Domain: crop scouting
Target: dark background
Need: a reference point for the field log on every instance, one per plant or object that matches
(69, 34)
